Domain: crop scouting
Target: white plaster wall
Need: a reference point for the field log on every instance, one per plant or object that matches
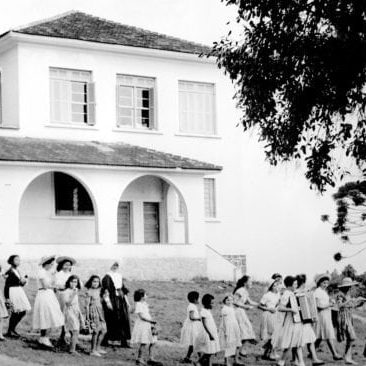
(39, 224)
(227, 232)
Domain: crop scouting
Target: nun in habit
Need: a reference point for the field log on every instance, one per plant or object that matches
(117, 319)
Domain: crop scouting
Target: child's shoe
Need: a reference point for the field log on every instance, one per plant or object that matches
(95, 353)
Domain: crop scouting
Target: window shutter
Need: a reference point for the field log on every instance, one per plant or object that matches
(152, 109)
(91, 104)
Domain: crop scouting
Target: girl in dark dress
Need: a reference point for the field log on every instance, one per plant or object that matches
(118, 319)
(15, 297)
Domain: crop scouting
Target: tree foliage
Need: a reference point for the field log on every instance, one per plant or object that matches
(299, 69)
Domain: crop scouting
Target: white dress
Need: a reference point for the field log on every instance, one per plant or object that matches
(290, 333)
(324, 327)
(190, 329)
(203, 343)
(229, 331)
(60, 281)
(141, 333)
(47, 313)
(269, 320)
(246, 329)
(17, 296)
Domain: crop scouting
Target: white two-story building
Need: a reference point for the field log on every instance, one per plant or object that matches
(117, 143)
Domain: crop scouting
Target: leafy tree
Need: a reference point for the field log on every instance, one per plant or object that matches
(299, 69)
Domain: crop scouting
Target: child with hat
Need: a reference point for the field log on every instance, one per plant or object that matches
(345, 329)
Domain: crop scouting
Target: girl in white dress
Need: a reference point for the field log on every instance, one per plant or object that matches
(243, 302)
(229, 331)
(63, 272)
(308, 334)
(290, 333)
(142, 333)
(191, 325)
(324, 329)
(71, 309)
(207, 342)
(47, 313)
(15, 296)
(269, 319)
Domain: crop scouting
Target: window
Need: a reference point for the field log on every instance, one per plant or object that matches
(72, 97)
(210, 197)
(197, 108)
(71, 198)
(180, 206)
(135, 102)
(124, 222)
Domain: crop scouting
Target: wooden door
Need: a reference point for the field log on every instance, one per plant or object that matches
(124, 222)
(151, 222)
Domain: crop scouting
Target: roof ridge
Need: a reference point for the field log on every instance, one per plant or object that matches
(45, 20)
(70, 12)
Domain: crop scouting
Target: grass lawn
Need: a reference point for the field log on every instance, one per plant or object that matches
(168, 304)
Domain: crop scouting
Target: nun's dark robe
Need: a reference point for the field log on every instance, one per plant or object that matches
(118, 319)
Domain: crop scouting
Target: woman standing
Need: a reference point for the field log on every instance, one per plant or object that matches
(63, 272)
(243, 302)
(118, 320)
(47, 313)
(15, 296)
(324, 329)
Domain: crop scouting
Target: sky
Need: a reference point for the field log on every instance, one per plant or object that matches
(296, 232)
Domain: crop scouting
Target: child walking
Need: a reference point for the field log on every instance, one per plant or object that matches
(94, 314)
(229, 331)
(71, 309)
(142, 333)
(290, 334)
(324, 329)
(15, 296)
(207, 342)
(243, 302)
(3, 312)
(346, 304)
(191, 325)
(269, 319)
(47, 313)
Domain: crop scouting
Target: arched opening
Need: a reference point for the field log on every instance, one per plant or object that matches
(57, 208)
(151, 210)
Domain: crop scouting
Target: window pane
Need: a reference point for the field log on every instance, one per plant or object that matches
(82, 118)
(71, 197)
(210, 197)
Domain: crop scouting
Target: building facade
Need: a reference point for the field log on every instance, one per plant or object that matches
(117, 144)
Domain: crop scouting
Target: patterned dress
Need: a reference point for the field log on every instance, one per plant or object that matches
(345, 329)
(71, 309)
(241, 297)
(94, 311)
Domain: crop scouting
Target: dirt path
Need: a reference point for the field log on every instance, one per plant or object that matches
(10, 361)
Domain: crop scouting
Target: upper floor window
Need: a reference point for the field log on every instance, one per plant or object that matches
(210, 197)
(135, 102)
(72, 96)
(197, 108)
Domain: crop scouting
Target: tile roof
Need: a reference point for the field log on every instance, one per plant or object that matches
(28, 149)
(85, 27)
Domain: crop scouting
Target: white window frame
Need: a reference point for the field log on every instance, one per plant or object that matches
(69, 78)
(210, 198)
(136, 82)
(186, 128)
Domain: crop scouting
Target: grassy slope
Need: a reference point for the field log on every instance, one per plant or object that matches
(168, 305)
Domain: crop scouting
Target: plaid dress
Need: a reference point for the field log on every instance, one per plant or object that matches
(94, 311)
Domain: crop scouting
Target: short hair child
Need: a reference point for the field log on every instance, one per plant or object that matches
(138, 295)
(72, 278)
(193, 296)
(206, 301)
(88, 283)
